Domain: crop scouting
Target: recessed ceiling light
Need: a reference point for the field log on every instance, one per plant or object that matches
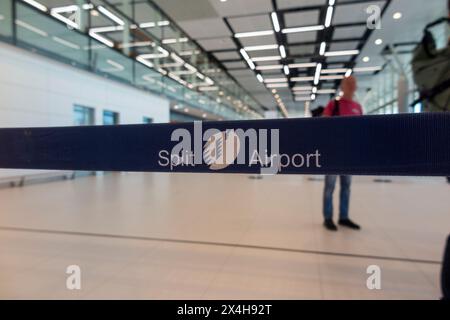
(276, 24)
(303, 65)
(366, 59)
(329, 16)
(336, 70)
(341, 53)
(244, 54)
(378, 42)
(251, 64)
(276, 85)
(317, 75)
(303, 29)
(253, 34)
(397, 15)
(282, 51)
(186, 110)
(368, 69)
(259, 77)
(323, 47)
(270, 58)
(270, 67)
(348, 73)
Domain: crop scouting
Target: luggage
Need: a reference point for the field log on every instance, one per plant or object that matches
(431, 70)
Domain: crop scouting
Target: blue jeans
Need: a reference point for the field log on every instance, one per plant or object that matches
(344, 196)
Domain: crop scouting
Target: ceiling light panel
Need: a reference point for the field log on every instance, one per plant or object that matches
(329, 16)
(341, 53)
(275, 22)
(251, 34)
(266, 58)
(303, 29)
(270, 67)
(303, 65)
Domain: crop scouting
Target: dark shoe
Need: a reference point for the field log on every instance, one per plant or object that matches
(329, 225)
(349, 224)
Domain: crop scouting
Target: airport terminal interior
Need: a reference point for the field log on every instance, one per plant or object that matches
(159, 235)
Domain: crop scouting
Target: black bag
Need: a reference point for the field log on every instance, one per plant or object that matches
(445, 272)
(431, 71)
(335, 109)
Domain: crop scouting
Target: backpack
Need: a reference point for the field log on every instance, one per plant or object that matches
(336, 110)
(431, 71)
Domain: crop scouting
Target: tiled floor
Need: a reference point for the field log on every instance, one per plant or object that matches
(187, 236)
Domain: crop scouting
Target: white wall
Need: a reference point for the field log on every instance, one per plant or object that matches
(37, 91)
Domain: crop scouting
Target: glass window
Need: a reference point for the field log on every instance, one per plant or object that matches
(147, 120)
(5, 18)
(83, 116)
(182, 117)
(110, 117)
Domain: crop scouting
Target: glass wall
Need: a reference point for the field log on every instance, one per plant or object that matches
(83, 116)
(6, 30)
(131, 42)
(110, 118)
(382, 98)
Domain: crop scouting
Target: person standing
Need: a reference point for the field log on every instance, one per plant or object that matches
(346, 106)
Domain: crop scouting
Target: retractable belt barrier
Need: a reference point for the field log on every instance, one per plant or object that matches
(405, 144)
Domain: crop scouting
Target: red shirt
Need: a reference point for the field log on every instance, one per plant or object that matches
(346, 108)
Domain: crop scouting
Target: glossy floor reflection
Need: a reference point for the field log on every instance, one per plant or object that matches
(198, 236)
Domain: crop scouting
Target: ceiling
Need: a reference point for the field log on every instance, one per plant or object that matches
(215, 25)
(285, 55)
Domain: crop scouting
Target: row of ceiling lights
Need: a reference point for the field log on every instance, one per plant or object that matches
(283, 82)
(272, 83)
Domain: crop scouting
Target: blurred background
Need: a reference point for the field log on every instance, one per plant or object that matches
(191, 236)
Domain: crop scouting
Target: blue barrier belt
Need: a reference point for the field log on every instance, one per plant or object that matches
(406, 144)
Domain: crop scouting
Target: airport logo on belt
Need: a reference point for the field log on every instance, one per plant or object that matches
(220, 149)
